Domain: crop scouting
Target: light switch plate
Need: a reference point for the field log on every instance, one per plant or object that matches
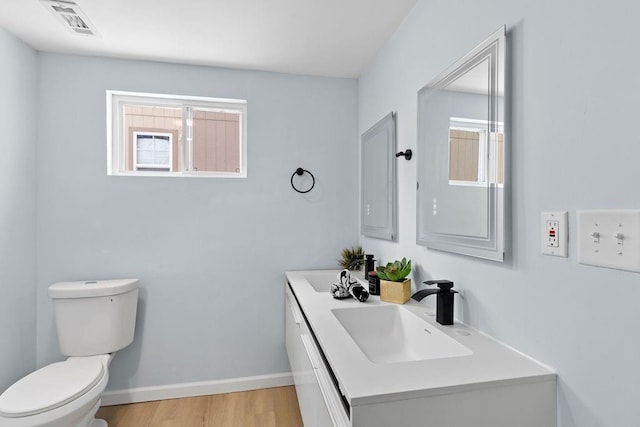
(555, 234)
(609, 238)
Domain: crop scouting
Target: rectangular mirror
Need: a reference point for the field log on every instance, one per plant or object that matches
(378, 208)
(461, 155)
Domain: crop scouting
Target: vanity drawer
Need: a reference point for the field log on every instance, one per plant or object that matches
(320, 404)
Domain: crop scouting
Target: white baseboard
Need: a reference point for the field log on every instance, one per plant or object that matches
(202, 388)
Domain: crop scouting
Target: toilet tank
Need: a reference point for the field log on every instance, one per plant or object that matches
(94, 317)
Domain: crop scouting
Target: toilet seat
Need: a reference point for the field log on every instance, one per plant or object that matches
(52, 386)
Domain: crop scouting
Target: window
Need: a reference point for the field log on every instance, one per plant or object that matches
(472, 145)
(152, 151)
(166, 135)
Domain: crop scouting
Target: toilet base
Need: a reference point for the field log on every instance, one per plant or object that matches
(80, 418)
(77, 413)
(90, 420)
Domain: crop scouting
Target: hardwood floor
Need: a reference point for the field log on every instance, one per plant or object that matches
(256, 408)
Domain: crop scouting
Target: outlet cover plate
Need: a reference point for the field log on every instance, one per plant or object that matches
(557, 223)
(609, 238)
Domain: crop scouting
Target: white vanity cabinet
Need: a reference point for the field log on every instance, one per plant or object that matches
(320, 404)
(339, 384)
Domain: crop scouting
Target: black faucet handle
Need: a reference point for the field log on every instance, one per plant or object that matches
(444, 285)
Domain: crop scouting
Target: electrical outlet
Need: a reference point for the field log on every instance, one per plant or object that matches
(555, 234)
(552, 233)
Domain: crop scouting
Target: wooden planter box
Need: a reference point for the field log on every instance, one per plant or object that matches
(398, 292)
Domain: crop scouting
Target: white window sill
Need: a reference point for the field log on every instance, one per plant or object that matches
(181, 174)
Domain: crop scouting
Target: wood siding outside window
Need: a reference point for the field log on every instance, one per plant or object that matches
(216, 143)
(463, 155)
(216, 136)
(153, 119)
(464, 149)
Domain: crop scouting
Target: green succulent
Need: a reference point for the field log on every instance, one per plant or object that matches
(395, 271)
(352, 258)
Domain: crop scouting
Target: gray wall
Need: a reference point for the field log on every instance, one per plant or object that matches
(211, 253)
(18, 78)
(575, 76)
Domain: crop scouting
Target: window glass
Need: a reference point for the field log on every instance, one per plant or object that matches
(151, 134)
(152, 151)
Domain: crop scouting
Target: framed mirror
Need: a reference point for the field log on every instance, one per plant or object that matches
(378, 208)
(461, 155)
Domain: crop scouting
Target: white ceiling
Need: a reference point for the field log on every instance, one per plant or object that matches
(318, 37)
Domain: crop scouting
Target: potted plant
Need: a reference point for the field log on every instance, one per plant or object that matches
(352, 258)
(394, 286)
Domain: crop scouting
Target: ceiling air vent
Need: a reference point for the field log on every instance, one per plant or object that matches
(70, 15)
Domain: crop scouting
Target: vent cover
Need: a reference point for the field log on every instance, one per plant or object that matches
(70, 15)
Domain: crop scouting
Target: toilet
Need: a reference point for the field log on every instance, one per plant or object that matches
(94, 319)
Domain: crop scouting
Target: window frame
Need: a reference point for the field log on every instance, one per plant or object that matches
(116, 132)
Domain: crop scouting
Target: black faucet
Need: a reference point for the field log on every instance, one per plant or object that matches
(444, 303)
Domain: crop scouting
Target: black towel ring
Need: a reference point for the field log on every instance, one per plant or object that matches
(301, 171)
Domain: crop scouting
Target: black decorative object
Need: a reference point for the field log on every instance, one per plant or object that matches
(369, 265)
(407, 154)
(374, 283)
(301, 172)
(348, 287)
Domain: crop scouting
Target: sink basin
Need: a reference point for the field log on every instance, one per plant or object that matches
(321, 280)
(392, 334)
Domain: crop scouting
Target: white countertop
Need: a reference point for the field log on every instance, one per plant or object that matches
(363, 382)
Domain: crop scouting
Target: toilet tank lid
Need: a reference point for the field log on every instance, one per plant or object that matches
(92, 288)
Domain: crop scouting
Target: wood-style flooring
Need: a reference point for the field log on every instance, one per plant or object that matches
(256, 408)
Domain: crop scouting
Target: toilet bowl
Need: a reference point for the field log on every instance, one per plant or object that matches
(63, 394)
(94, 319)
